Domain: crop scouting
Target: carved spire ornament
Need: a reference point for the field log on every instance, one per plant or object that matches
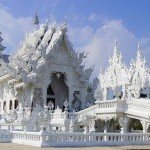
(36, 19)
(139, 73)
(116, 74)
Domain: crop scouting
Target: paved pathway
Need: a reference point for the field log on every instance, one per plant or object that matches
(9, 146)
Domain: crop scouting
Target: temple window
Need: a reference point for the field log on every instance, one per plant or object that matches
(4, 105)
(144, 93)
(16, 104)
(10, 105)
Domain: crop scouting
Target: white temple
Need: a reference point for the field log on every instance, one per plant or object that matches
(46, 98)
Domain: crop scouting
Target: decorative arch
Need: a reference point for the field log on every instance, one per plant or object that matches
(134, 124)
(57, 90)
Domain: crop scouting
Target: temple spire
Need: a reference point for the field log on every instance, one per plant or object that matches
(115, 47)
(36, 19)
(116, 56)
(139, 46)
(139, 56)
(1, 46)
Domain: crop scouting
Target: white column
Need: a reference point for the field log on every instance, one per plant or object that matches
(105, 128)
(105, 93)
(86, 129)
(145, 126)
(70, 97)
(92, 126)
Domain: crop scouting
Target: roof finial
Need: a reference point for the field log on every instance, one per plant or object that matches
(64, 25)
(139, 46)
(36, 19)
(115, 46)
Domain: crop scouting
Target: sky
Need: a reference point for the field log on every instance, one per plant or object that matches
(93, 25)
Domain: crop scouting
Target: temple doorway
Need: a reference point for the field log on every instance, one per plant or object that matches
(57, 91)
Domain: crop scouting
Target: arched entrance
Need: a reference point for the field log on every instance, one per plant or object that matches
(57, 91)
(135, 125)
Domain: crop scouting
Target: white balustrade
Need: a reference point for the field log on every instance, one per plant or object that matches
(78, 139)
(108, 103)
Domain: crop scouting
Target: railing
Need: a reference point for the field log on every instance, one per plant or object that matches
(42, 139)
(110, 103)
(107, 104)
(27, 138)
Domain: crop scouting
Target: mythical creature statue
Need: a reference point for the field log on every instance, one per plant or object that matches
(66, 104)
(81, 57)
(88, 72)
(76, 104)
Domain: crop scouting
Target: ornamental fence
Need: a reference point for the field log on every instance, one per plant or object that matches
(47, 139)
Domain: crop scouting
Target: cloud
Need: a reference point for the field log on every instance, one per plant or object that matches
(12, 28)
(95, 18)
(99, 43)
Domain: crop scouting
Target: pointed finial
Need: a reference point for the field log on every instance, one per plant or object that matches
(36, 19)
(139, 46)
(64, 25)
(115, 46)
(139, 54)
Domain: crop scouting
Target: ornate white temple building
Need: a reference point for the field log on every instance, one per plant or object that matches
(46, 98)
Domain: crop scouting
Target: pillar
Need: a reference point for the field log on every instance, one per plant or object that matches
(144, 125)
(86, 129)
(105, 127)
(105, 93)
(105, 130)
(123, 121)
(92, 126)
(70, 97)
